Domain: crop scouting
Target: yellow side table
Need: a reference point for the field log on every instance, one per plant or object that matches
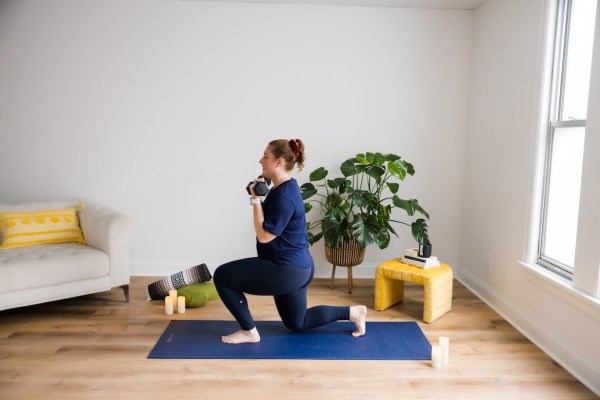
(437, 282)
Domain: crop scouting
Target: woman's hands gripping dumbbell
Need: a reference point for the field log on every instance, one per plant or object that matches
(260, 186)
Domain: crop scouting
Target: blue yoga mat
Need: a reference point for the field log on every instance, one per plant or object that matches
(383, 341)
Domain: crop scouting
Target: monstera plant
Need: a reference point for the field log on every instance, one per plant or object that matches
(358, 206)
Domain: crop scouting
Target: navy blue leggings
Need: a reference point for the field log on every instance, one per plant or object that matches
(288, 286)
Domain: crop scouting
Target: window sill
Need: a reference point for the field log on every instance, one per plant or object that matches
(563, 288)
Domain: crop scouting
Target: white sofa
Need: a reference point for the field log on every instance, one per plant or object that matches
(48, 272)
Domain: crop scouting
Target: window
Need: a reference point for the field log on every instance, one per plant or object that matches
(572, 60)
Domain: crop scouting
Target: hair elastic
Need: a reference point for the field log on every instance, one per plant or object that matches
(295, 147)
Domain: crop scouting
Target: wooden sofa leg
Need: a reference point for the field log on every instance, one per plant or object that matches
(125, 290)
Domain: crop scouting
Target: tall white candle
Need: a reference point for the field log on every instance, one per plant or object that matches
(173, 296)
(445, 345)
(181, 305)
(436, 356)
(168, 305)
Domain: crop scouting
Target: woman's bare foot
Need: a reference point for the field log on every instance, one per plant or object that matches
(358, 315)
(242, 336)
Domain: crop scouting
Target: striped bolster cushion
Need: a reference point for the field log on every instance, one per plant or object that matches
(160, 289)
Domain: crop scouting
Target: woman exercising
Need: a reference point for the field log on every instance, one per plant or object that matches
(284, 267)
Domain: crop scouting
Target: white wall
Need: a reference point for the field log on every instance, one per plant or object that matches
(502, 154)
(587, 257)
(163, 108)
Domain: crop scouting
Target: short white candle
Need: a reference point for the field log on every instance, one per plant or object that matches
(173, 296)
(436, 356)
(445, 345)
(181, 305)
(168, 305)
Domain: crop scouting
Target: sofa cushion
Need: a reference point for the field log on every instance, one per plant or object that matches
(20, 229)
(39, 206)
(50, 264)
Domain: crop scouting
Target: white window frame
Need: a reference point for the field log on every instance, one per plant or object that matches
(561, 20)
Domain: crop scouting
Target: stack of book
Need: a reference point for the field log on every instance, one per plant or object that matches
(411, 256)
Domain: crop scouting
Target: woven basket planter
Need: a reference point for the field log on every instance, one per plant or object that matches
(349, 255)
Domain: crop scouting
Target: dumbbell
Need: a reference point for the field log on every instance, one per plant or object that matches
(261, 188)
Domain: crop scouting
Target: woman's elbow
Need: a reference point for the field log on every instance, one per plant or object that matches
(265, 237)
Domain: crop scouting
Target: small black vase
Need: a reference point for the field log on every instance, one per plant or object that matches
(425, 250)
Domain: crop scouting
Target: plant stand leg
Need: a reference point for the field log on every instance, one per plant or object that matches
(350, 280)
(332, 276)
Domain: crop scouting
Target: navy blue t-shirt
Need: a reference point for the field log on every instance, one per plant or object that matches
(283, 210)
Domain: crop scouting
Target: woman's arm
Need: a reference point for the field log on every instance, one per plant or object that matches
(259, 218)
(261, 234)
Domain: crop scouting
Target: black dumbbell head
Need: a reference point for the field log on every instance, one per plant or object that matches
(261, 188)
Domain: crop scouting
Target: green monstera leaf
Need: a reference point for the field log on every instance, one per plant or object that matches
(419, 231)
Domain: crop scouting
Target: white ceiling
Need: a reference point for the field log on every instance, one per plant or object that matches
(442, 4)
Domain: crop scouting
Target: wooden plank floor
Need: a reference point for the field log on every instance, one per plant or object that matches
(95, 347)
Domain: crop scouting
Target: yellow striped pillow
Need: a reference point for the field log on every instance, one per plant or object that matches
(20, 229)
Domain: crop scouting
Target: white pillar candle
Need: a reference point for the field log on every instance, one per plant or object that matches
(168, 305)
(445, 345)
(173, 296)
(436, 356)
(181, 305)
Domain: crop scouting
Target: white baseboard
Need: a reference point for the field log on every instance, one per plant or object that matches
(165, 268)
(160, 267)
(558, 349)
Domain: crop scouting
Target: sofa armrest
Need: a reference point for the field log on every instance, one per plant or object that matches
(108, 230)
